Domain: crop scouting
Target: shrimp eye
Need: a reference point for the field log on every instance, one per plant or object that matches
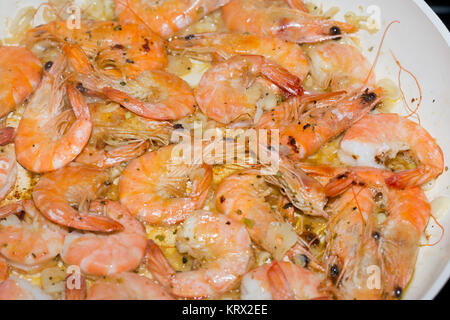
(48, 65)
(189, 37)
(81, 88)
(334, 31)
(369, 97)
(376, 235)
(334, 271)
(398, 292)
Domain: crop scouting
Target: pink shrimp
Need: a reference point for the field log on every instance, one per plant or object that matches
(379, 137)
(41, 144)
(56, 192)
(102, 255)
(156, 190)
(19, 289)
(277, 19)
(31, 242)
(8, 164)
(223, 246)
(20, 71)
(281, 280)
(222, 91)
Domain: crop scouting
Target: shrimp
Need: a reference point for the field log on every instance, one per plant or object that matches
(41, 143)
(158, 190)
(20, 71)
(154, 94)
(222, 244)
(392, 238)
(244, 197)
(166, 17)
(225, 45)
(56, 192)
(351, 250)
(304, 136)
(275, 18)
(104, 255)
(127, 286)
(120, 135)
(281, 280)
(29, 242)
(8, 164)
(379, 137)
(222, 92)
(18, 289)
(339, 67)
(116, 49)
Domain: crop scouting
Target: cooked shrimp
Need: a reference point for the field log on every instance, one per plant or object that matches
(127, 286)
(379, 137)
(222, 244)
(351, 250)
(120, 135)
(118, 50)
(281, 280)
(19, 289)
(28, 243)
(391, 243)
(222, 92)
(225, 45)
(339, 67)
(243, 197)
(275, 18)
(108, 254)
(20, 71)
(302, 138)
(158, 190)
(56, 192)
(8, 165)
(166, 17)
(41, 144)
(155, 94)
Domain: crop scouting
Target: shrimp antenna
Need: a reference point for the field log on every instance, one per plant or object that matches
(401, 68)
(379, 50)
(127, 6)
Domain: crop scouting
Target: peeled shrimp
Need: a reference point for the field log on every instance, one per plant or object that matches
(280, 280)
(20, 71)
(378, 137)
(158, 190)
(107, 254)
(8, 165)
(118, 50)
(41, 143)
(339, 67)
(222, 244)
(30, 242)
(275, 18)
(305, 135)
(56, 192)
(222, 92)
(225, 45)
(127, 286)
(166, 17)
(154, 94)
(19, 289)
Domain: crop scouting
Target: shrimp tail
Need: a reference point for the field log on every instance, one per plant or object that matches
(279, 284)
(290, 83)
(6, 135)
(411, 178)
(157, 264)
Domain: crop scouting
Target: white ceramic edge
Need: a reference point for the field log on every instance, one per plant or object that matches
(437, 22)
